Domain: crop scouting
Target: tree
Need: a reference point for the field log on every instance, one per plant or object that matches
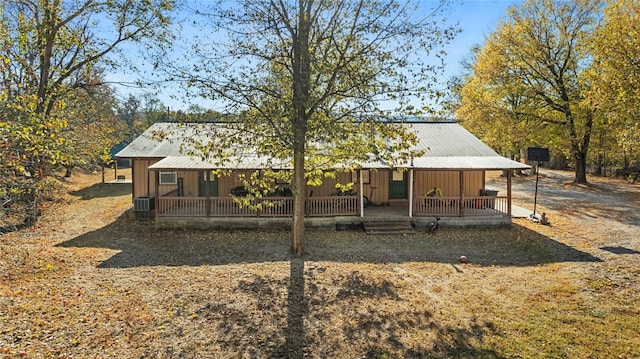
(129, 112)
(49, 52)
(616, 74)
(532, 69)
(490, 115)
(92, 126)
(309, 80)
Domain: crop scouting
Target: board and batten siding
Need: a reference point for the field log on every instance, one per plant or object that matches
(380, 180)
(143, 182)
(448, 182)
(228, 182)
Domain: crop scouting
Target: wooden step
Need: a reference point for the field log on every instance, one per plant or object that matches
(389, 228)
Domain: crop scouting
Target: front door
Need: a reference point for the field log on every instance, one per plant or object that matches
(398, 185)
(211, 187)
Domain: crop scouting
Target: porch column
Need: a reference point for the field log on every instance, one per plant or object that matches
(461, 180)
(410, 192)
(207, 183)
(361, 192)
(156, 192)
(509, 174)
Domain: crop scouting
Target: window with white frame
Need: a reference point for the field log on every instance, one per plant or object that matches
(168, 177)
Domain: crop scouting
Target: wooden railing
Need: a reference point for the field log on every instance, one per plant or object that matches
(222, 207)
(333, 206)
(438, 206)
(269, 207)
(171, 206)
(457, 207)
(181, 206)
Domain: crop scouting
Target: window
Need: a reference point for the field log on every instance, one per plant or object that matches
(168, 177)
(397, 176)
(365, 176)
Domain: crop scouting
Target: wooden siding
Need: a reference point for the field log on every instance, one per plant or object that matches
(143, 183)
(473, 183)
(228, 182)
(328, 186)
(448, 182)
(424, 180)
(377, 178)
(380, 180)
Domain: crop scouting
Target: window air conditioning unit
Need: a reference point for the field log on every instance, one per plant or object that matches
(144, 204)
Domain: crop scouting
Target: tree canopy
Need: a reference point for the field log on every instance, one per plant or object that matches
(616, 75)
(531, 72)
(313, 80)
(53, 54)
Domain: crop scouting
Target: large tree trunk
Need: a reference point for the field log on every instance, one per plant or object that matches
(580, 162)
(301, 90)
(580, 145)
(299, 190)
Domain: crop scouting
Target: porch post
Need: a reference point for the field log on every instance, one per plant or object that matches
(410, 192)
(207, 183)
(461, 180)
(156, 191)
(361, 191)
(509, 174)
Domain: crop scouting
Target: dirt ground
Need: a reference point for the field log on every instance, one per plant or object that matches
(85, 282)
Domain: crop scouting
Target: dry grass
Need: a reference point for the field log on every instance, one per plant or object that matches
(86, 282)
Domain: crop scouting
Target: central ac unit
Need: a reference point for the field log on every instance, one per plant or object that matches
(144, 203)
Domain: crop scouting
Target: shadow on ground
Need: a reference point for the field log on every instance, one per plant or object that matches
(597, 200)
(140, 244)
(380, 317)
(102, 190)
(619, 250)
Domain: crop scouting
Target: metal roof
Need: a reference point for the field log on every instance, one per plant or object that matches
(172, 163)
(445, 146)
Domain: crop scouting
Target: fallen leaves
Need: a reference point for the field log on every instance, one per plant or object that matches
(102, 286)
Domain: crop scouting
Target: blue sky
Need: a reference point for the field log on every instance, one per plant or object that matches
(476, 18)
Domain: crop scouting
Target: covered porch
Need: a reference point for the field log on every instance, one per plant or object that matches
(475, 217)
(197, 194)
(176, 206)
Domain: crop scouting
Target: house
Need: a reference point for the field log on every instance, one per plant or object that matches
(447, 181)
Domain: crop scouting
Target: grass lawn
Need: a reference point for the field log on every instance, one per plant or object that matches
(87, 282)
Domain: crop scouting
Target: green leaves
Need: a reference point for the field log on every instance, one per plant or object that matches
(528, 86)
(55, 112)
(313, 82)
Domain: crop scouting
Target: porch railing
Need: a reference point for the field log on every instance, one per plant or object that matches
(457, 207)
(171, 206)
(333, 206)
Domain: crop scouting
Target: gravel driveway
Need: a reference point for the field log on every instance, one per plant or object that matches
(609, 209)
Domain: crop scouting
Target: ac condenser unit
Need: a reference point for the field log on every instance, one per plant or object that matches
(144, 204)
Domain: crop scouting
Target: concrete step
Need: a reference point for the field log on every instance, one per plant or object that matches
(389, 228)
